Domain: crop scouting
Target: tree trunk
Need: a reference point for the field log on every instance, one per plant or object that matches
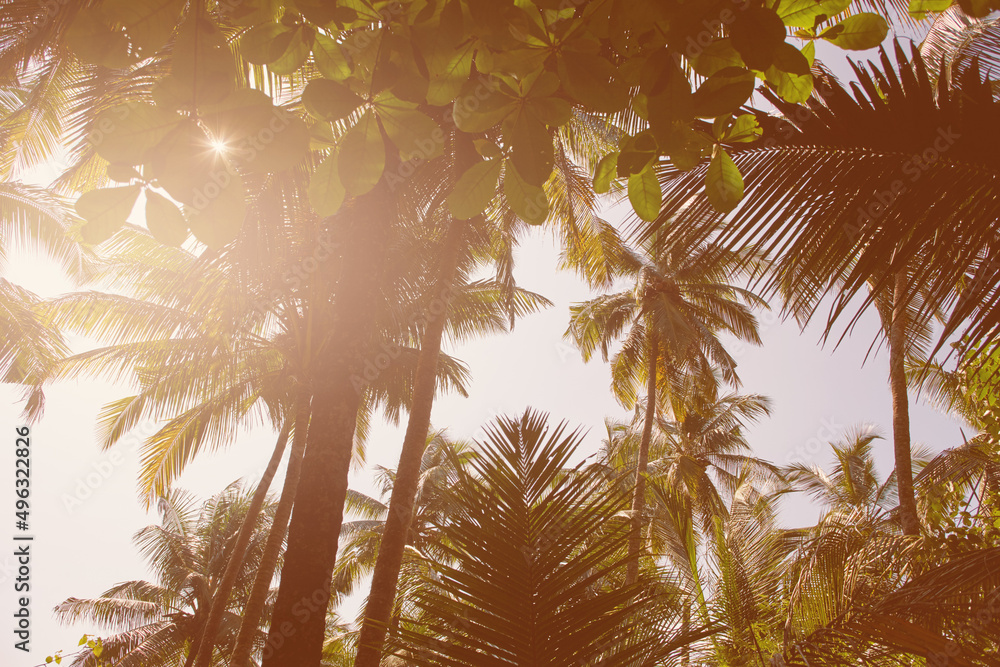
(254, 610)
(298, 625)
(404, 489)
(206, 640)
(639, 499)
(395, 533)
(900, 409)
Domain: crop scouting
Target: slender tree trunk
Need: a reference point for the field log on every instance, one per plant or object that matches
(639, 499)
(254, 610)
(900, 409)
(206, 639)
(298, 624)
(395, 533)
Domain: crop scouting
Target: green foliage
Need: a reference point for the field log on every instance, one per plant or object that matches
(534, 558)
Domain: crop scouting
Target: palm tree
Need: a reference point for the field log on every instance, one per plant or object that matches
(535, 565)
(361, 538)
(670, 321)
(205, 379)
(33, 219)
(844, 228)
(188, 551)
(750, 556)
(853, 483)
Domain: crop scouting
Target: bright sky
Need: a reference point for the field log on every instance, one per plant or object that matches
(84, 501)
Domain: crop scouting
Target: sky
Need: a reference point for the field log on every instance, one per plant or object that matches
(85, 507)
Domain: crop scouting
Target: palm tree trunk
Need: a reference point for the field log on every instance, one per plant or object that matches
(639, 499)
(254, 610)
(206, 641)
(395, 533)
(299, 620)
(900, 409)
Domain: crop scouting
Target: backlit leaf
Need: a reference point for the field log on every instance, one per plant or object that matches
(105, 211)
(474, 190)
(124, 133)
(326, 191)
(526, 200)
(858, 32)
(723, 182)
(644, 194)
(164, 220)
(362, 156)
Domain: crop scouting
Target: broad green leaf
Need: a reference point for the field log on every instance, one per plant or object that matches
(807, 13)
(755, 34)
(124, 133)
(591, 79)
(448, 72)
(487, 148)
(123, 173)
(724, 92)
(605, 172)
(531, 148)
(258, 136)
(790, 75)
(553, 111)
(92, 40)
(858, 32)
(329, 100)
(744, 129)
(326, 191)
(527, 201)
(279, 144)
(164, 220)
(718, 55)
(793, 88)
(203, 66)
(149, 23)
(645, 194)
(319, 12)
(263, 44)
(481, 105)
(414, 133)
(929, 5)
(789, 59)
(184, 163)
(330, 59)
(295, 54)
(474, 190)
(723, 182)
(105, 210)
(216, 217)
(362, 156)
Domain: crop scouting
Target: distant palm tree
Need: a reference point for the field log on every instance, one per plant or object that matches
(33, 219)
(853, 483)
(534, 567)
(158, 622)
(669, 322)
(361, 538)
